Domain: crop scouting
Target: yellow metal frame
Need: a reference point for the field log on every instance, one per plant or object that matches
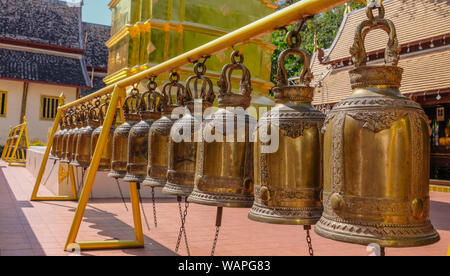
(448, 253)
(11, 153)
(281, 18)
(8, 141)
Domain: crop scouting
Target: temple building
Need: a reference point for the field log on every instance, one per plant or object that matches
(146, 33)
(45, 51)
(423, 31)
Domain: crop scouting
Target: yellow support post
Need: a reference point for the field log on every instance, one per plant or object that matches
(448, 253)
(5, 148)
(10, 146)
(37, 184)
(118, 96)
(16, 157)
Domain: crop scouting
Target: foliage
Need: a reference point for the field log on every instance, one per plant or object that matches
(323, 27)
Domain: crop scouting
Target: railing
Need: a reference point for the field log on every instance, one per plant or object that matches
(286, 16)
(16, 144)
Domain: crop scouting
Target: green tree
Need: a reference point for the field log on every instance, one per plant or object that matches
(323, 28)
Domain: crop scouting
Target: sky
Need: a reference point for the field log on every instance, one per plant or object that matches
(95, 11)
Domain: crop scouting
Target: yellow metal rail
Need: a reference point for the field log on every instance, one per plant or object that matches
(286, 16)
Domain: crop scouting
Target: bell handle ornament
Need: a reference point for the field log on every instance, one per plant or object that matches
(358, 50)
(306, 75)
(132, 101)
(167, 90)
(224, 82)
(207, 87)
(152, 97)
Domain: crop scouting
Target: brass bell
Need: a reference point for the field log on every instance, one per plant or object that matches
(105, 160)
(225, 167)
(159, 133)
(81, 124)
(288, 173)
(58, 134)
(120, 139)
(67, 155)
(376, 155)
(182, 154)
(139, 133)
(83, 148)
(61, 141)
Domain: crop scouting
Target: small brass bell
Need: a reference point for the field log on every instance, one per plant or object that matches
(55, 148)
(105, 160)
(61, 142)
(288, 177)
(139, 133)
(69, 139)
(376, 155)
(81, 124)
(120, 140)
(225, 167)
(159, 134)
(83, 152)
(182, 155)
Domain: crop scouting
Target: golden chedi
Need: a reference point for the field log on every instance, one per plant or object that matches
(225, 163)
(138, 138)
(376, 155)
(183, 154)
(158, 141)
(288, 173)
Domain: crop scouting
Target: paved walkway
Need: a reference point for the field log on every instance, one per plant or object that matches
(41, 228)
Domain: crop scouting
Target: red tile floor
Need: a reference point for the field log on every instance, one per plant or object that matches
(41, 228)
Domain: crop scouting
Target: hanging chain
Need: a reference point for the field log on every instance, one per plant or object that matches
(216, 238)
(121, 194)
(218, 225)
(186, 206)
(308, 240)
(155, 219)
(182, 228)
(142, 207)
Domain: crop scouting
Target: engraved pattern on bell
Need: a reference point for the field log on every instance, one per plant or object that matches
(55, 148)
(225, 169)
(182, 155)
(288, 181)
(159, 134)
(80, 123)
(376, 157)
(138, 138)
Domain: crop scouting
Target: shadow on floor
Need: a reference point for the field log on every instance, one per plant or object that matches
(440, 215)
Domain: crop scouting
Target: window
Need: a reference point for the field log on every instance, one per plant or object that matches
(49, 107)
(3, 103)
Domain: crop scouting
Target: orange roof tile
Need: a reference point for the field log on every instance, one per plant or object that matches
(414, 20)
(423, 71)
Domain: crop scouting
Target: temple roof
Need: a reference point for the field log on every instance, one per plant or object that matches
(48, 22)
(96, 51)
(43, 66)
(423, 72)
(414, 21)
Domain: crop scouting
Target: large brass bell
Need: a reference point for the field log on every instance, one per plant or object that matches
(80, 125)
(225, 167)
(105, 160)
(68, 137)
(159, 134)
(183, 154)
(376, 155)
(288, 173)
(120, 140)
(139, 133)
(83, 149)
